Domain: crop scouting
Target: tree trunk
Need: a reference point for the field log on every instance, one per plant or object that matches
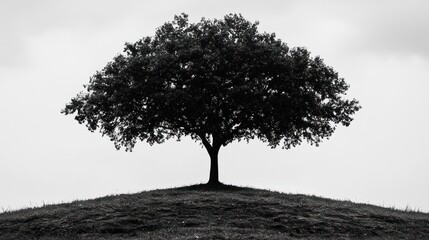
(213, 150)
(214, 168)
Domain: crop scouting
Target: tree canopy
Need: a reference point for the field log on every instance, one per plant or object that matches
(215, 81)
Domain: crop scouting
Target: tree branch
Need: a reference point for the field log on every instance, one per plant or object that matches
(205, 142)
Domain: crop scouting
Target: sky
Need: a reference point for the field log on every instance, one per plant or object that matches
(49, 49)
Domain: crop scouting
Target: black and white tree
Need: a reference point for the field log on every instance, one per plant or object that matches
(215, 81)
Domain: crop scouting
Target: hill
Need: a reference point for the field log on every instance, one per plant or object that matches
(199, 212)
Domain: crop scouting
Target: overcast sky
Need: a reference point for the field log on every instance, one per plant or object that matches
(49, 49)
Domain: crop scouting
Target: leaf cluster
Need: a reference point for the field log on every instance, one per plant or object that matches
(216, 81)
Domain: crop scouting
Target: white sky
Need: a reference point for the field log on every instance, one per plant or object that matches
(49, 49)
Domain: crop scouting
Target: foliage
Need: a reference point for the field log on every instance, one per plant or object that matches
(216, 81)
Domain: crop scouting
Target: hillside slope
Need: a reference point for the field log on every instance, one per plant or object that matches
(196, 212)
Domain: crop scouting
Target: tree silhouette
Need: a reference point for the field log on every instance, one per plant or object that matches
(215, 81)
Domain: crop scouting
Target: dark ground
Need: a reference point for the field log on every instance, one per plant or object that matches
(198, 212)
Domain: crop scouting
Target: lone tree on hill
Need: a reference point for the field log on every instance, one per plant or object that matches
(215, 81)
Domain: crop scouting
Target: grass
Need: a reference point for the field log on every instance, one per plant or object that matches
(201, 212)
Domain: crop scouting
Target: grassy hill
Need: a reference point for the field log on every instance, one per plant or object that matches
(198, 212)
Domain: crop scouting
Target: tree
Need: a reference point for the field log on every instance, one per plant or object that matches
(215, 81)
